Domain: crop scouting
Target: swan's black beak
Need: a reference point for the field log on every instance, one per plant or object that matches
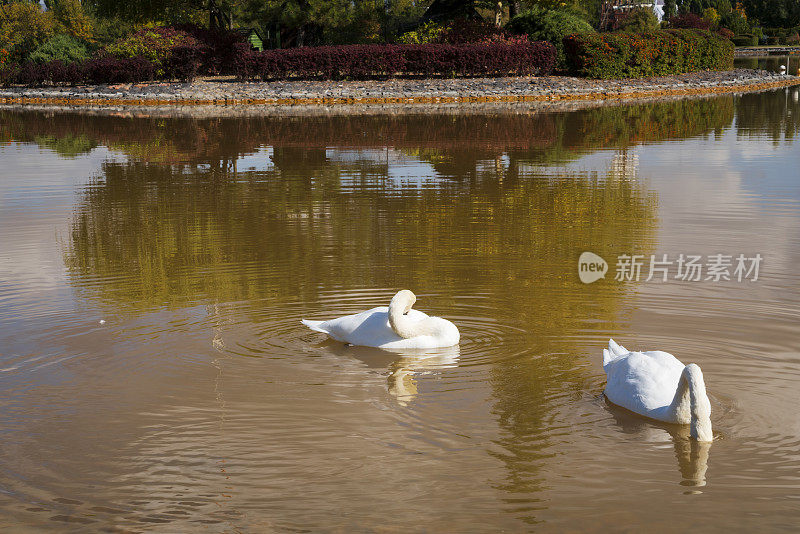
(405, 313)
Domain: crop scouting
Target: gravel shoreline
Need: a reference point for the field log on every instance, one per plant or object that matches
(397, 91)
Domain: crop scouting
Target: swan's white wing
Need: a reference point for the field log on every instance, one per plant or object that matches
(358, 328)
(447, 335)
(369, 328)
(644, 382)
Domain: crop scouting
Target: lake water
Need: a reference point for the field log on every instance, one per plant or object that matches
(770, 63)
(153, 273)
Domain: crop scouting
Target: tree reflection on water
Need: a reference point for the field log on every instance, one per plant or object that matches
(178, 222)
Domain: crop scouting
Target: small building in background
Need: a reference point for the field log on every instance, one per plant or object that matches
(252, 36)
(658, 6)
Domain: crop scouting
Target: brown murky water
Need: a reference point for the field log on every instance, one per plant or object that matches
(153, 272)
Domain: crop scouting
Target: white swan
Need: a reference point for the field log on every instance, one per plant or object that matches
(657, 385)
(395, 327)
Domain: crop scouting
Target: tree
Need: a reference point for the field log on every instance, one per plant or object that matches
(445, 10)
(774, 13)
(310, 22)
(216, 12)
(587, 9)
(670, 8)
(549, 25)
(72, 18)
(298, 22)
(23, 27)
(639, 20)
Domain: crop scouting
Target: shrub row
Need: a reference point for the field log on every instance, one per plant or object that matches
(326, 62)
(658, 53)
(156, 45)
(101, 69)
(218, 50)
(745, 40)
(369, 61)
(689, 21)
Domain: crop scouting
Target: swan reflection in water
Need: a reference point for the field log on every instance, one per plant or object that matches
(692, 455)
(401, 381)
(404, 366)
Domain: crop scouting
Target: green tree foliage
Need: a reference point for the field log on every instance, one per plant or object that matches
(670, 8)
(711, 15)
(586, 9)
(165, 11)
(73, 20)
(774, 13)
(109, 30)
(640, 20)
(309, 22)
(23, 27)
(153, 44)
(62, 47)
(723, 7)
(735, 22)
(428, 32)
(698, 6)
(542, 24)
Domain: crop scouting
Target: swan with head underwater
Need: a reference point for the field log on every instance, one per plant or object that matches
(394, 327)
(657, 385)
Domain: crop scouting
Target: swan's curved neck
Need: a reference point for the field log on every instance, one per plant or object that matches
(401, 324)
(691, 403)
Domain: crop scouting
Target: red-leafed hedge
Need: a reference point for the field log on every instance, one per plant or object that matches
(689, 20)
(324, 62)
(658, 53)
(375, 61)
(100, 69)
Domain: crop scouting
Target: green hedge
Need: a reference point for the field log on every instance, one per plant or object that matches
(658, 53)
(745, 40)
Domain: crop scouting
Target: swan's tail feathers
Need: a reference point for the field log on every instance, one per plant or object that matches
(314, 325)
(616, 350)
(613, 352)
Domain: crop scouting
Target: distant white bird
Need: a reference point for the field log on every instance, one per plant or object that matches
(395, 327)
(657, 385)
(783, 69)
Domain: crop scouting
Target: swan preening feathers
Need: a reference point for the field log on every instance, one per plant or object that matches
(654, 384)
(657, 385)
(395, 327)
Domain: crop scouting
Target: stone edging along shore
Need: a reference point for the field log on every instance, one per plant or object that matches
(397, 91)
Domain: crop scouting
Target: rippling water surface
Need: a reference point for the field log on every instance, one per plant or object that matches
(154, 271)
